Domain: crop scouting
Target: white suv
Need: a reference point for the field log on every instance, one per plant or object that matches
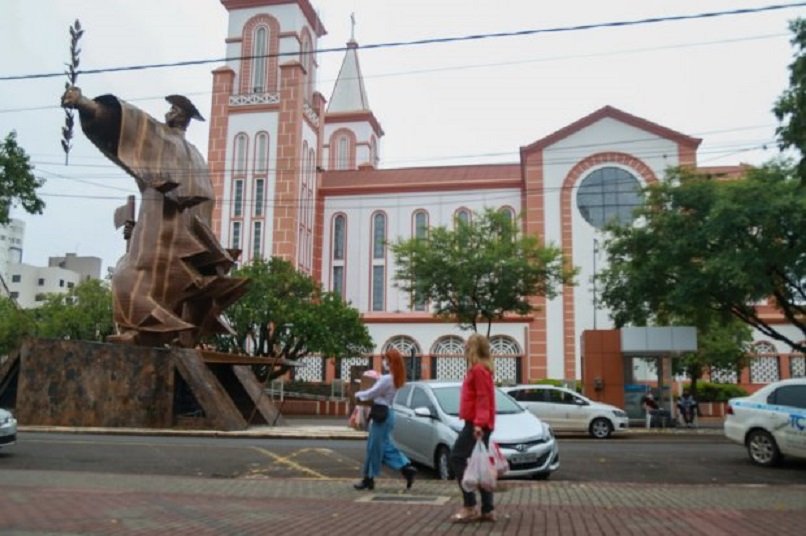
(771, 422)
(566, 410)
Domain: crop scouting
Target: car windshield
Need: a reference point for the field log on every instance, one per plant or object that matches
(448, 400)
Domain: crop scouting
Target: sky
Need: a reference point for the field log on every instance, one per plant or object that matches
(463, 102)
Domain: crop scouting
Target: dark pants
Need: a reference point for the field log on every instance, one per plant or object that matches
(462, 450)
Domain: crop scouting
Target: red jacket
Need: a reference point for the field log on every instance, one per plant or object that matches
(477, 402)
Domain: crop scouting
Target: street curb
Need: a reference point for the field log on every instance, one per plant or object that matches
(316, 432)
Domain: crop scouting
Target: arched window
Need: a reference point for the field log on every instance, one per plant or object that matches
(257, 240)
(403, 344)
(449, 346)
(463, 215)
(765, 364)
(261, 154)
(342, 153)
(237, 198)
(239, 157)
(378, 298)
(260, 50)
(235, 241)
(339, 223)
(421, 225)
(307, 62)
(337, 257)
(373, 151)
(421, 233)
(508, 213)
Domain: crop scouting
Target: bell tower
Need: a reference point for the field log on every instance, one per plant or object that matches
(266, 129)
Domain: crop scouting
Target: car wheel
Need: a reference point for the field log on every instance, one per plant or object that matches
(541, 476)
(762, 448)
(442, 463)
(600, 428)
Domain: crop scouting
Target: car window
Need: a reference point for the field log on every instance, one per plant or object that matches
(419, 399)
(789, 395)
(505, 404)
(532, 395)
(448, 399)
(402, 395)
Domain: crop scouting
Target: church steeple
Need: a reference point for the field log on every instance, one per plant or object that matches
(352, 133)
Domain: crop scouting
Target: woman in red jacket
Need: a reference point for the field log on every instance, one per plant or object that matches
(477, 409)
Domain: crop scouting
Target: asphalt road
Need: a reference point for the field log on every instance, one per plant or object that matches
(648, 459)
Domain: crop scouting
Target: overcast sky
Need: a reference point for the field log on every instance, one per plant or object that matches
(439, 104)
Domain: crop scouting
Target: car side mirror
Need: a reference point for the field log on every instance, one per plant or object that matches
(580, 402)
(423, 412)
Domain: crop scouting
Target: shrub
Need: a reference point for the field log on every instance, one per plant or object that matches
(716, 392)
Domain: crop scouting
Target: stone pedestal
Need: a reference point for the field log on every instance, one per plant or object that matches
(76, 383)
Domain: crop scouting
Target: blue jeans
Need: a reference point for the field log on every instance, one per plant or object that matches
(381, 449)
(460, 453)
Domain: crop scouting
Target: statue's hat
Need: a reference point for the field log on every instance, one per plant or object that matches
(182, 102)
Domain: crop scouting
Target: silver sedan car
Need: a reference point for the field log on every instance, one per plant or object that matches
(8, 428)
(427, 425)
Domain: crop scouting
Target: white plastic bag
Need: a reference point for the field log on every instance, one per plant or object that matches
(480, 472)
(499, 460)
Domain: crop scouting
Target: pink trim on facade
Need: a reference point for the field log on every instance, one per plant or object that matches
(289, 147)
(223, 79)
(535, 363)
(582, 168)
(620, 116)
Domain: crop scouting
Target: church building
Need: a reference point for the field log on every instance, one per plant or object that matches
(298, 175)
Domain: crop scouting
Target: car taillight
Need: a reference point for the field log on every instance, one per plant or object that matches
(729, 410)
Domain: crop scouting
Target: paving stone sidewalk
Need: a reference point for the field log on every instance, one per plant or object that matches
(72, 503)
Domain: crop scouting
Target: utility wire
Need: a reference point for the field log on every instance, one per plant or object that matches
(470, 66)
(430, 41)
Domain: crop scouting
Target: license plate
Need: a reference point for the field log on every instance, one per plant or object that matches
(523, 457)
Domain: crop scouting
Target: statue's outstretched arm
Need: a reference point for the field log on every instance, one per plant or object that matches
(73, 98)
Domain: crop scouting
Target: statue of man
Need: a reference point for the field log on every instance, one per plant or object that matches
(171, 286)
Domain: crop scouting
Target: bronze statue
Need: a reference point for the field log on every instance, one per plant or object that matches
(172, 285)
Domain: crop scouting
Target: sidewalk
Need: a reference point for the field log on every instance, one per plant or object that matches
(55, 502)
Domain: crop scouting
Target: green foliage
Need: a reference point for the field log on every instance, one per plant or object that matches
(15, 324)
(790, 109)
(717, 392)
(285, 315)
(708, 246)
(480, 270)
(84, 313)
(18, 184)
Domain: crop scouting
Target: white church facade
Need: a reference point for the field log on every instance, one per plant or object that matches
(298, 175)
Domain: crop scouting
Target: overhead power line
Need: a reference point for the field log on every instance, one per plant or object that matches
(431, 41)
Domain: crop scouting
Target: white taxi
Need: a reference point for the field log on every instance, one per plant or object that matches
(771, 422)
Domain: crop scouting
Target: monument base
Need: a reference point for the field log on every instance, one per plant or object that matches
(87, 384)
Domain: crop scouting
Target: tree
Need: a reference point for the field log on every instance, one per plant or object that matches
(790, 108)
(15, 323)
(721, 346)
(84, 313)
(285, 316)
(481, 270)
(18, 184)
(704, 244)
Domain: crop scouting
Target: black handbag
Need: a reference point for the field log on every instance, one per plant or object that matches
(379, 413)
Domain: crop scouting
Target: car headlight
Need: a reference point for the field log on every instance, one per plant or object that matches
(619, 413)
(548, 433)
(6, 419)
